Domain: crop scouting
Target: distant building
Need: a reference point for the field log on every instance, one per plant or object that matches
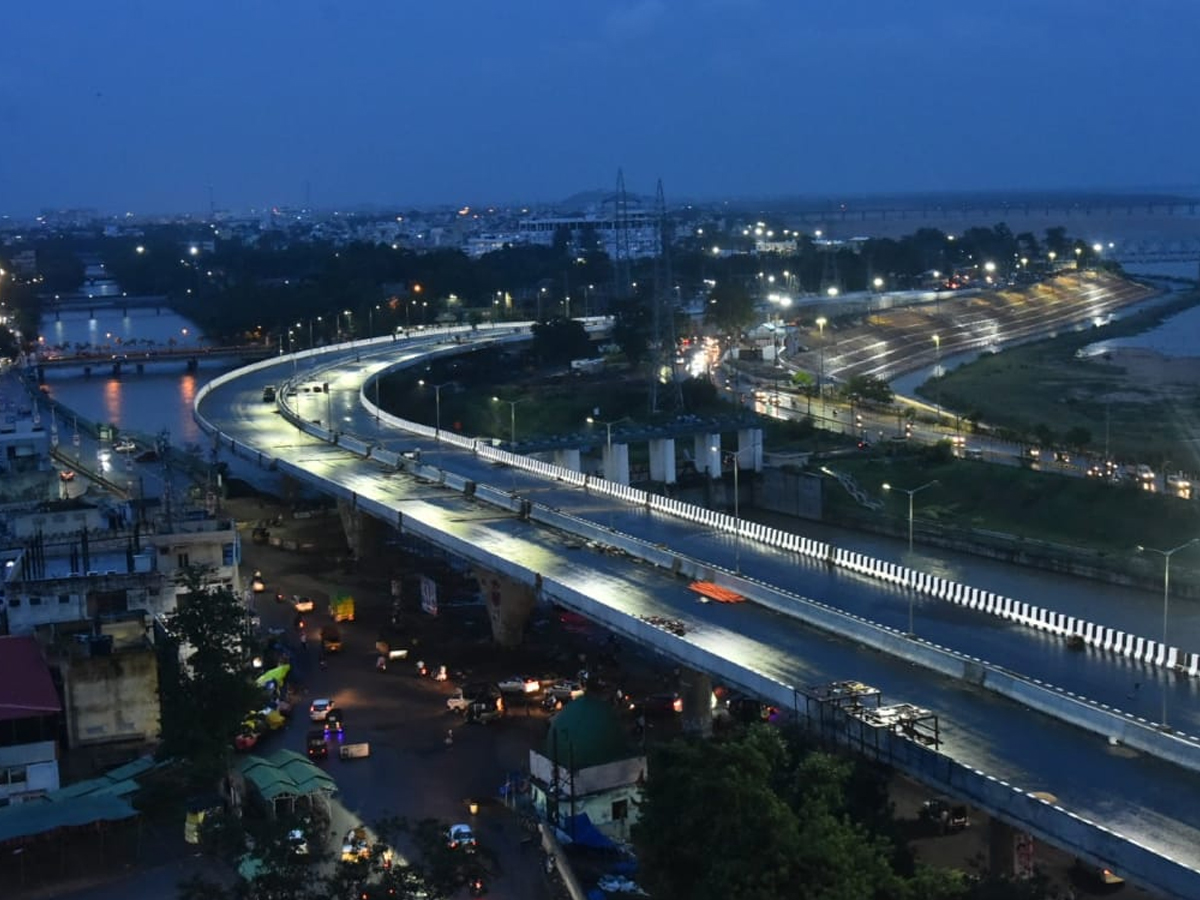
(30, 720)
(90, 573)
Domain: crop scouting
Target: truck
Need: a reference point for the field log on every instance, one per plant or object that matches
(341, 608)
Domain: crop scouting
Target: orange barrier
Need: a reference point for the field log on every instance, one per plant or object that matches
(716, 592)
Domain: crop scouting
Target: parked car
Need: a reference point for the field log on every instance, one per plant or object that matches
(461, 837)
(319, 709)
(945, 815)
(517, 684)
(125, 445)
(485, 709)
(458, 701)
(565, 690)
(303, 604)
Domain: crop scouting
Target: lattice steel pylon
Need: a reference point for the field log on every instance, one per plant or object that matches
(663, 350)
(621, 274)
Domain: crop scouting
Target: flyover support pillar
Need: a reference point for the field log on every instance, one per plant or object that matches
(662, 460)
(509, 604)
(750, 449)
(708, 454)
(567, 459)
(616, 463)
(364, 534)
(1010, 850)
(695, 688)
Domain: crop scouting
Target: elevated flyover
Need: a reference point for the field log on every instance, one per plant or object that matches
(770, 647)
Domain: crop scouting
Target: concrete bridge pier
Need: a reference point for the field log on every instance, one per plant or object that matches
(695, 688)
(365, 535)
(1010, 850)
(662, 460)
(141, 368)
(567, 459)
(707, 449)
(616, 463)
(750, 449)
(193, 364)
(509, 605)
(116, 370)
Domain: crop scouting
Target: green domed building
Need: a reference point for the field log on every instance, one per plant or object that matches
(586, 778)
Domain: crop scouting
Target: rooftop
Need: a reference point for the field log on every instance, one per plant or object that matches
(26, 689)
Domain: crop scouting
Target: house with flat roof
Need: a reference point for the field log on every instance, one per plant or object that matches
(30, 721)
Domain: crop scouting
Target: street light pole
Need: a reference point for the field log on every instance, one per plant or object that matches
(937, 374)
(1166, 555)
(912, 492)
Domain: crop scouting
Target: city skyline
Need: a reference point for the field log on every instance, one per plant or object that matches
(152, 110)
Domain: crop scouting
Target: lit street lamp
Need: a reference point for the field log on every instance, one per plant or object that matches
(912, 492)
(937, 374)
(437, 397)
(512, 444)
(821, 323)
(1166, 555)
(608, 428)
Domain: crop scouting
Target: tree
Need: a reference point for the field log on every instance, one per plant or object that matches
(632, 329)
(869, 388)
(1077, 438)
(206, 688)
(730, 308)
(560, 341)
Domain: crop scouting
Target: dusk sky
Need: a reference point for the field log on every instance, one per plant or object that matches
(142, 105)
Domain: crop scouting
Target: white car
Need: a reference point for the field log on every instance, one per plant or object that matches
(303, 604)
(125, 445)
(515, 684)
(319, 709)
(461, 837)
(458, 702)
(565, 690)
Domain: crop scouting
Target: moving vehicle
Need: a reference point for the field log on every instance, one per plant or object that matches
(360, 750)
(303, 604)
(257, 584)
(331, 639)
(268, 393)
(565, 690)
(461, 837)
(662, 704)
(125, 445)
(341, 608)
(66, 475)
(485, 709)
(319, 709)
(517, 684)
(458, 701)
(334, 723)
(357, 844)
(315, 742)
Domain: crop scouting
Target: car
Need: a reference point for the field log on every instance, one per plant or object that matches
(458, 701)
(66, 475)
(125, 445)
(516, 684)
(331, 639)
(565, 690)
(303, 604)
(945, 815)
(658, 705)
(461, 837)
(319, 709)
(1099, 878)
(268, 393)
(334, 723)
(315, 744)
(485, 709)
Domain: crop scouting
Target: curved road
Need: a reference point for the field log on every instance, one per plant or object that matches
(1140, 797)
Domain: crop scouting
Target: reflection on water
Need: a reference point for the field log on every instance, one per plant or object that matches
(116, 330)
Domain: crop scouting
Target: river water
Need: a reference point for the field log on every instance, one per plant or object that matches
(156, 400)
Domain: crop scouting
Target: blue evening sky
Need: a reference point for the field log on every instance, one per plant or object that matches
(141, 105)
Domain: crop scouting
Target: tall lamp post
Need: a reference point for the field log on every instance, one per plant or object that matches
(912, 492)
(1166, 555)
(821, 323)
(512, 423)
(737, 515)
(937, 374)
(608, 426)
(437, 403)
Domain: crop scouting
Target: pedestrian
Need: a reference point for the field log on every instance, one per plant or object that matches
(450, 737)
